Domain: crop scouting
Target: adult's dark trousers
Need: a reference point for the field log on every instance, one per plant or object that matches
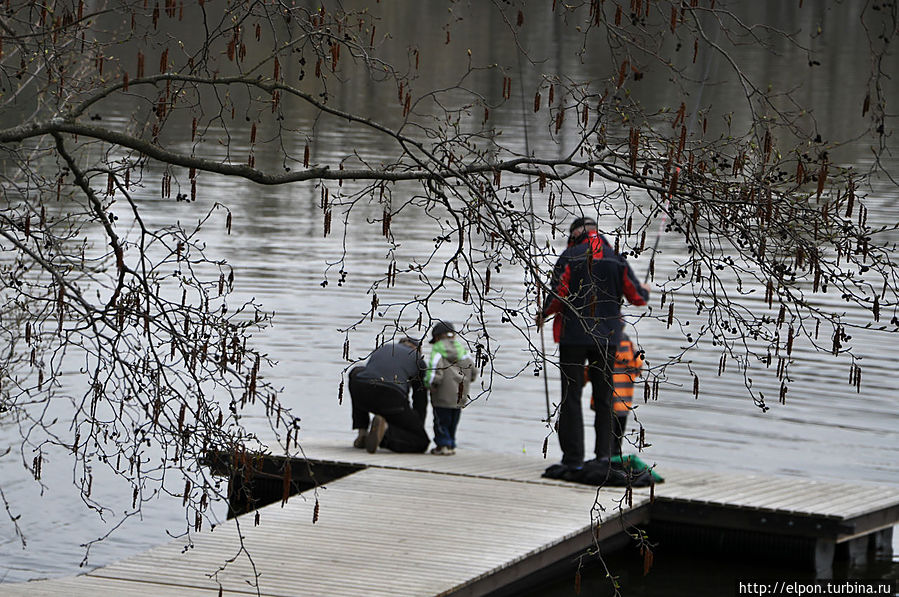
(405, 428)
(600, 361)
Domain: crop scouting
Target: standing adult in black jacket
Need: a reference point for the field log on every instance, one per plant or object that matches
(589, 281)
(382, 387)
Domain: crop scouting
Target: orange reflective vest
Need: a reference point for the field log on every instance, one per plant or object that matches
(628, 366)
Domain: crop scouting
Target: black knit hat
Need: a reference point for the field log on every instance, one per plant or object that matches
(441, 328)
(582, 223)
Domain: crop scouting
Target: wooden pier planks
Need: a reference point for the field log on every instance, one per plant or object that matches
(414, 524)
(867, 507)
(837, 500)
(525, 468)
(384, 532)
(780, 494)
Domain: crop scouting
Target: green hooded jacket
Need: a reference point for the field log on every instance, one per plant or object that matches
(450, 373)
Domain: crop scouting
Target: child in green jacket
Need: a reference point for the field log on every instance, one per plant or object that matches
(451, 370)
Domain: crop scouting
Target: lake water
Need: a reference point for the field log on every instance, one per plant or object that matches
(826, 429)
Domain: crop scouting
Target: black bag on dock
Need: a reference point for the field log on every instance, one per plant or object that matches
(600, 473)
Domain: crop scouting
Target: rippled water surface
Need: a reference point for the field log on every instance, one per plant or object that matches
(826, 429)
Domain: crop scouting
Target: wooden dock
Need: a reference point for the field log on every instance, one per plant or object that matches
(475, 524)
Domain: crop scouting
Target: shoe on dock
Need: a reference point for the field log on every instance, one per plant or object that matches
(443, 451)
(564, 472)
(375, 434)
(600, 472)
(359, 442)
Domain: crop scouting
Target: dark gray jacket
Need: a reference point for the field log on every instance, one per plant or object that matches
(401, 366)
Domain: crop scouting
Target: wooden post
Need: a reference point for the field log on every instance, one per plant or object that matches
(854, 551)
(882, 543)
(824, 552)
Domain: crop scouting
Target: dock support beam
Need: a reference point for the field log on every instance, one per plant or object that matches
(882, 544)
(824, 553)
(854, 551)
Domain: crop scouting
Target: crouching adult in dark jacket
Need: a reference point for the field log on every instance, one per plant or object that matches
(382, 387)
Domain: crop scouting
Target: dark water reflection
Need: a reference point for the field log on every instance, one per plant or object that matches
(826, 430)
(678, 573)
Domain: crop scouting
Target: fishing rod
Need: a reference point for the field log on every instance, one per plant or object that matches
(527, 149)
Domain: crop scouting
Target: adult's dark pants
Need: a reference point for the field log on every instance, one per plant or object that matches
(405, 428)
(600, 362)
